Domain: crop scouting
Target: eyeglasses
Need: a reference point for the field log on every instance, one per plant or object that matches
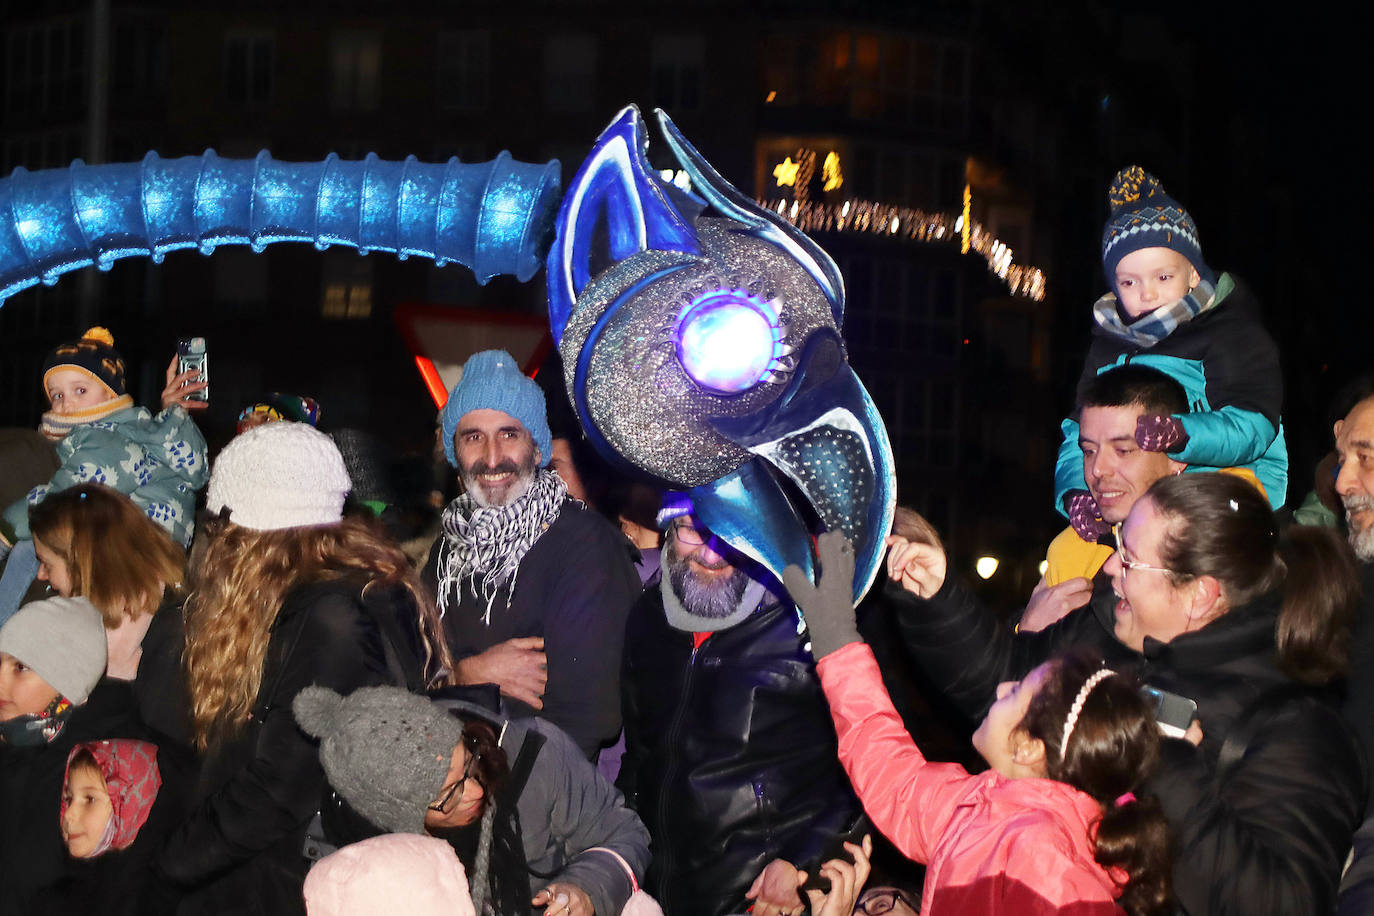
(882, 900)
(446, 796)
(1129, 564)
(692, 536)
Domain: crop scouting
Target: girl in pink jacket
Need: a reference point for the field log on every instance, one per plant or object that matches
(1058, 824)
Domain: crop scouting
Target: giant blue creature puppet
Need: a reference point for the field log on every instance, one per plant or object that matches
(700, 336)
(700, 332)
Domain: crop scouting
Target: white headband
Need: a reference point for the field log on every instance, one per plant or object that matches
(1077, 706)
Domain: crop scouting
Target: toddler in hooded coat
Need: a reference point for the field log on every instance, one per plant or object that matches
(113, 818)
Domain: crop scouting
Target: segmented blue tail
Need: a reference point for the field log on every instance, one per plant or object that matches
(493, 217)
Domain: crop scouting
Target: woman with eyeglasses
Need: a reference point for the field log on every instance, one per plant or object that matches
(1214, 606)
(284, 593)
(535, 826)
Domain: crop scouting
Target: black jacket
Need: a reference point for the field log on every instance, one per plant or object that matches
(730, 755)
(1270, 834)
(239, 851)
(574, 588)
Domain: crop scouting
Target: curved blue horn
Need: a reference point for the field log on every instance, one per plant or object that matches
(493, 217)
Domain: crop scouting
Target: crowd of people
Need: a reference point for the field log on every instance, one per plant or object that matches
(225, 688)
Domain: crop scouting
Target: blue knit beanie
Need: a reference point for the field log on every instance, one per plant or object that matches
(1144, 216)
(492, 380)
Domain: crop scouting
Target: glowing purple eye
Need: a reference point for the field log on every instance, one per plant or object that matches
(727, 340)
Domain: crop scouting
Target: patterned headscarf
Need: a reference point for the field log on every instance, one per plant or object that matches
(131, 778)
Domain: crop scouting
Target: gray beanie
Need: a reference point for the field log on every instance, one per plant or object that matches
(386, 751)
(279, 475)
(62, 640)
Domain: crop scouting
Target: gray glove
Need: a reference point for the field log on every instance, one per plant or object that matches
(828, 606)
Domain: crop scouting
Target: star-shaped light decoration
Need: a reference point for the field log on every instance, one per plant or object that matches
(786, 172)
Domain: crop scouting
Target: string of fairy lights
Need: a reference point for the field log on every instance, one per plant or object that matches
(857, 215)
(918, 226)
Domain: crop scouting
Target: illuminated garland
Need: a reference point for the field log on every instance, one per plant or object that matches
(913, 225)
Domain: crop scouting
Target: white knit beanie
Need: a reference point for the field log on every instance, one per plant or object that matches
(279, 475)
(62, 640)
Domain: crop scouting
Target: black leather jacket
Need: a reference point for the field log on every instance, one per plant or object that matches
(730, 755)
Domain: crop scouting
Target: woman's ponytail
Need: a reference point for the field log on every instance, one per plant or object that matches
(1133, 843)
(1320, 597)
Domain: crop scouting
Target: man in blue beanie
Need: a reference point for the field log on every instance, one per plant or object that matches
(533, 587)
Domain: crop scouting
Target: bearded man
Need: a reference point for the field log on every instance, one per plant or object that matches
(730, 756)
(533, 587)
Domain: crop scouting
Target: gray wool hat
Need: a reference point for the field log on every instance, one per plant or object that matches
(386, 751)
(62, 640)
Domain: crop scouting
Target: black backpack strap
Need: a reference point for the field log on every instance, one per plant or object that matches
(1254, 717)
(524, 763)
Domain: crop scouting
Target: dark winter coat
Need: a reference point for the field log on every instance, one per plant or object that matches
(239, 851)
(1267, 835)
(32, 854)
(1359, 698)
(574, 588)
(730, 754)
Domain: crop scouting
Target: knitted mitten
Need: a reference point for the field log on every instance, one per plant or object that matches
(827, 606)
(1156, 433)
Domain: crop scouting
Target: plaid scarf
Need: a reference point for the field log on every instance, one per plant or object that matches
(1148, 330)
(489, 542)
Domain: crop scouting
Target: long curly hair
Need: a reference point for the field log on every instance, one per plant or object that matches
(115, 555)
(1112, 750)
(240, 579)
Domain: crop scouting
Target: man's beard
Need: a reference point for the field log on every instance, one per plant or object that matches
(711, 599)
(472, 483)
(1361, 539)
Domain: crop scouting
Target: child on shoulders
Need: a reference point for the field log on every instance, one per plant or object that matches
(1169, 311)
(159, 461)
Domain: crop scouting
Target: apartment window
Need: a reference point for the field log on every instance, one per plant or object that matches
(569, 72)
(679, 64)
(463, 70)
(46, 67)
(249, 62)
(347, 285)
(356, 62)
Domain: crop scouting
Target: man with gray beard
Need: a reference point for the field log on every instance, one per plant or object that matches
(730, 756)
(1355, 479)
(1355, 487)
(533, 588)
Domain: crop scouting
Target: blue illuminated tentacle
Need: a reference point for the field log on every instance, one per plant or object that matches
(727, 199)
(493, 217)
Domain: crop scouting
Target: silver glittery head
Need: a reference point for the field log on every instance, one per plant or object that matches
(701, 344)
